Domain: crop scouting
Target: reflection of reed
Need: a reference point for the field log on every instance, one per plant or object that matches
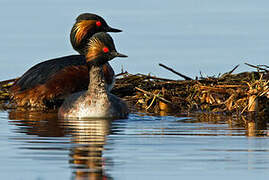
(254, 125)
(37, 123)
(88, 136)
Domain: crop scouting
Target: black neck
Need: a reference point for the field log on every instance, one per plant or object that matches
(99, 61)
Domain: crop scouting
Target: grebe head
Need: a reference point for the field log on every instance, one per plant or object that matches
(101, 49)
(86, 25)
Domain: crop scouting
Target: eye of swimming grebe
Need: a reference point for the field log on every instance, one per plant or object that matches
(105, 50)
(98, 23)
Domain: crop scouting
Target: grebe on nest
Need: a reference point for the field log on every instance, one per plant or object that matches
(97, 101)
(45, 85)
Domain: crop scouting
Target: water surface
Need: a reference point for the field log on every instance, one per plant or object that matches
(40, 146)
(190, 36)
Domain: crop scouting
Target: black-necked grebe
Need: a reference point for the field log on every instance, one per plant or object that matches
(45, 84)
(97, 101)
(86, 25)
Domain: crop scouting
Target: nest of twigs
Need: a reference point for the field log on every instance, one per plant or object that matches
(4, 91)
(229, 93)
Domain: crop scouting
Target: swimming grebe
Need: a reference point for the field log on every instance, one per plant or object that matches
(45, 84)
(97, 101)
(86, 25)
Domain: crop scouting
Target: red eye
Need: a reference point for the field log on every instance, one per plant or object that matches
(105, 49)
(98, 23)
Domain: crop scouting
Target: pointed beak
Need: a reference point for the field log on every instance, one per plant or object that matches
(116, 54)
(121, 55)
(110, 29)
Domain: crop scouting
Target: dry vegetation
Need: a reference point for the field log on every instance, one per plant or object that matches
(229, 93)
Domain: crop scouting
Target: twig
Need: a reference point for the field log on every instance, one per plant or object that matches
(233, 69)
(151, 94)
(122, 73)
(170, 69)
(201, 75)
(256, 67)
(230, 72)
(264, 65)
(157, 78)
(230, 86)
(248, 105)
(152, 101)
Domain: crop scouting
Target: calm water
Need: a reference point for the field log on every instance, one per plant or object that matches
(190, 36)
(40, 146)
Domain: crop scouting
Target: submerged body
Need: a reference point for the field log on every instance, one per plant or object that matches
(45, 85)
(97, 101)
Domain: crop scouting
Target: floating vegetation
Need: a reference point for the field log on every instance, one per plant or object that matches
(4, 93)
(230, 94)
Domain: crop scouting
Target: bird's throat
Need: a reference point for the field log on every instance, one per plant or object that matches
(97, 83)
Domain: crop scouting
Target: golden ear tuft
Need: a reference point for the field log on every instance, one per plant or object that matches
(81, 29)
(95, 47)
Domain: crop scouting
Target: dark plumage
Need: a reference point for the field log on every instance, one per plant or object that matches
(97, 101)
(84, 22)
(42, 72)
(45, 84)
